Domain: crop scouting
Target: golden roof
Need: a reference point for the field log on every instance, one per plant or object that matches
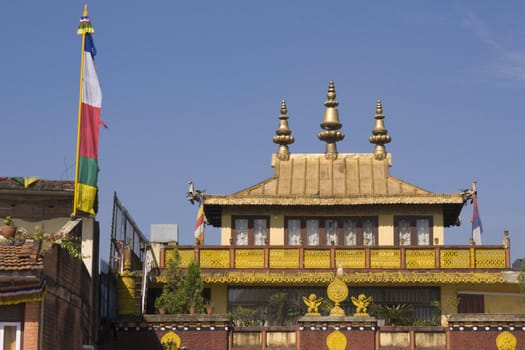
(332, 178)
(350, 180)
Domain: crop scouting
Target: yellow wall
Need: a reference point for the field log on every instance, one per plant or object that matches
(385, 229)
(504, 304)
(226, 230)
(219, 298)
(449, 302)
(277, 230)
(497, 299)
(439, 230)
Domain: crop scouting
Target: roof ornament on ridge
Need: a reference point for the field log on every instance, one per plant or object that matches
(379, 133)
(283, 135)
(331, 124)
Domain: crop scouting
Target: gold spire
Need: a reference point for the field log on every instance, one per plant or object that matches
(331, 124)
(283, 135)
(379, 133)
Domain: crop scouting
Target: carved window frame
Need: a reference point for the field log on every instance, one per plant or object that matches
(401, 221)
(339, 237)
(251, 240)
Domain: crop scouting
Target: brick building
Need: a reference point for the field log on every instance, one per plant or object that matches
(47, 293)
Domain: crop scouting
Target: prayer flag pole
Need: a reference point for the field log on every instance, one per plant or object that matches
(80, 31)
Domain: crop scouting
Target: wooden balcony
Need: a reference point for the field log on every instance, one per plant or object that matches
(351, 258)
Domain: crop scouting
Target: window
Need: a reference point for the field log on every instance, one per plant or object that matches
(413, 230)
(271, 306)
(250, 231)
(312, 232)
(284, 305)
(471, 303)
(10, 335)
(350, 231)
(369, 232)
(294, 231)
(330, 226)
(260, 231)
(331, 231)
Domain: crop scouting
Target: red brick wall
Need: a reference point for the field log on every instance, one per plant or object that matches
(481, 339)
(31, 326)
(67, 302)
(316, 339)
(150, 339)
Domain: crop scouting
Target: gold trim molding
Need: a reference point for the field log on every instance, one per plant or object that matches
(325, 278)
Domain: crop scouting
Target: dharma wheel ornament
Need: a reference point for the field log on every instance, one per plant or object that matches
(337, 292)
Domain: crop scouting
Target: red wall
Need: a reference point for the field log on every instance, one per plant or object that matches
(150, 339)
(481, 339)
(316, 339)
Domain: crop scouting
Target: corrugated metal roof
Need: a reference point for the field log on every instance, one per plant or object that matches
(348, 175)
(352, 179)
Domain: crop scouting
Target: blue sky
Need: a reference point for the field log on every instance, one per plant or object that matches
(192, 90)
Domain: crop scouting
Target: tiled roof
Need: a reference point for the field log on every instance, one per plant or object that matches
(20, 257)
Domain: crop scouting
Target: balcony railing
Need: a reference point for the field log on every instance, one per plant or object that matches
(329, 258)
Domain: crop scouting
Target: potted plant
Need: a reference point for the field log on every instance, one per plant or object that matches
(172, 300)
(400, 314)
(193, 286)
(9, 228)
(162, 303)
(209, 307)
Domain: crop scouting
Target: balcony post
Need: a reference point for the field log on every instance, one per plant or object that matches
(506, 245)
(162, 257)
(266, 256)
(301, 256)
(472, 250)
(402, 257)
(232, 255)
(332, 256)
(437, 256)
(197, 253)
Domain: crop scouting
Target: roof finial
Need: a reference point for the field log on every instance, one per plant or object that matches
(85, 26)
(331, 124)
(283, 135)
(379, 133)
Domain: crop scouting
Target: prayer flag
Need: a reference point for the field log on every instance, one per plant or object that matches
(477, 228)
(199, 226)
(87, 162)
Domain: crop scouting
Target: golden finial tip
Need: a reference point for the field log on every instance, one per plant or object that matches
(283, 107)
(331, 90)
(379, 107)
(85, 13)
